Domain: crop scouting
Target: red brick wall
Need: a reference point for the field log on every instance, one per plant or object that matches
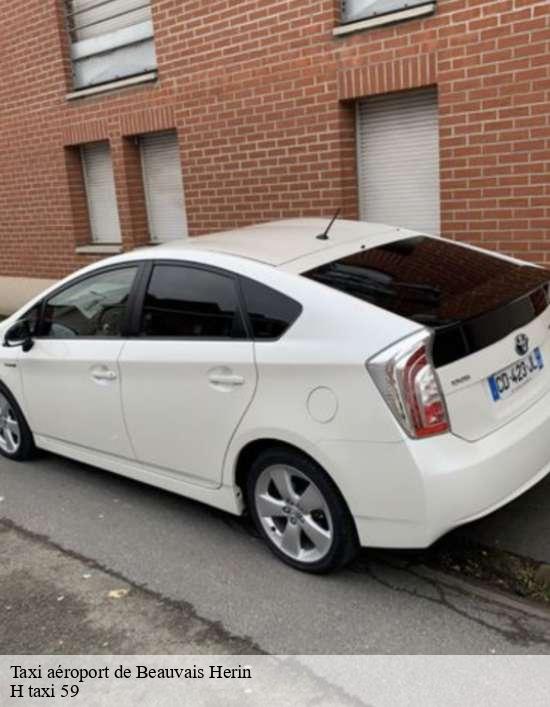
(261, 95)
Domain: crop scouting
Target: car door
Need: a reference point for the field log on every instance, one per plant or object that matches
(70, 377)
(189, 376)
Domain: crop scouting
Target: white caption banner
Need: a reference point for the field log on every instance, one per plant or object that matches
(374, 681)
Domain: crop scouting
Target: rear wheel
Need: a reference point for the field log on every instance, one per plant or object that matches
(300, 512)
(16, 441)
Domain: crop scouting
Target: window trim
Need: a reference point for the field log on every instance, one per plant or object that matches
(136, 264)
(141, 293)
(147, 77)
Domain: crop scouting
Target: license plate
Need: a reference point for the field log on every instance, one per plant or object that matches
(506, 382)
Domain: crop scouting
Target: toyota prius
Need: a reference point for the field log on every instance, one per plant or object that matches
(359, 385)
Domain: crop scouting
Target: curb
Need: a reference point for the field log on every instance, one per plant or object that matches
(472, 586)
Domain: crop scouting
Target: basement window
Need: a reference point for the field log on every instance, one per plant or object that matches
(111, 40)
(362, 14)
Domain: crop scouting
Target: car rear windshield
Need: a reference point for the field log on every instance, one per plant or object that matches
(445, 286)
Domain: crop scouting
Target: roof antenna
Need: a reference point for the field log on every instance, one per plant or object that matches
(324, 236)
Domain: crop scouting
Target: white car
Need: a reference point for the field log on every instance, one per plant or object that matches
(368, 386)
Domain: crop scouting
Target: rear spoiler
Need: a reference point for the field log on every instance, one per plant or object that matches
(460, 339)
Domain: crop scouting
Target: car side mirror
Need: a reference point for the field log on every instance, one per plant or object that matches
(19, 334)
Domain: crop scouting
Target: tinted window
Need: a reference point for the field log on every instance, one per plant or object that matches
(96, 306)
(431, 281)
(190, 302)
(469, 298)
(270, 312)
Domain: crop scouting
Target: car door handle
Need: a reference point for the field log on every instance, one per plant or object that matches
(225, 379)
(105, 375)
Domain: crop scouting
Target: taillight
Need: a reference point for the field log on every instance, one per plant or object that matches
(406, 378)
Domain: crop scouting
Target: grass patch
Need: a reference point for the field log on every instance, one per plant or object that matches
(503, 570)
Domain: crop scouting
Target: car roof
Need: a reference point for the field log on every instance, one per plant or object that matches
(287, 243)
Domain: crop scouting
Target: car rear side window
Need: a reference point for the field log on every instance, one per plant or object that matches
(187, 302)
(270, 312)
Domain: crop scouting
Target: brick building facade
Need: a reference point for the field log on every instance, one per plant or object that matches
(263, 100)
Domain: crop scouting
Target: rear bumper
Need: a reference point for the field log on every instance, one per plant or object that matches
(408, 494)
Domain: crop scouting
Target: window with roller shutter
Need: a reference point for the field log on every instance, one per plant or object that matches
(110, 40)
(97, 167)
(163, 185)
(398, 160)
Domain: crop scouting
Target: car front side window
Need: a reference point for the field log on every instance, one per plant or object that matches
(93, 307)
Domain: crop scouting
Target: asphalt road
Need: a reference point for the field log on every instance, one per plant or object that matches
(53, 602)
(184, 552)
(521, 527)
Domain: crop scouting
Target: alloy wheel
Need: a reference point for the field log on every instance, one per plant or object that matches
(294, 513)
(10, 434)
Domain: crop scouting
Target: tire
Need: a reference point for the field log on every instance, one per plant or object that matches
(16, 440)
(299, 512)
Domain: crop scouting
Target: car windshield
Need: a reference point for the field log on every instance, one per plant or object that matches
(429, 280)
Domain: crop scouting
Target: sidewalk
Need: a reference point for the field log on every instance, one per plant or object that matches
(522, 527)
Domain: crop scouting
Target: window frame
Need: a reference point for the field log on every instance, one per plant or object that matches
(126, 334)
(147, 273)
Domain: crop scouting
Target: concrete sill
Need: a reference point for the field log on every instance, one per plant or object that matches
(384, 20)
(99, 249)
(112, 86)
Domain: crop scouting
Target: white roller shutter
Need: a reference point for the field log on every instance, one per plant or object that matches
(110, 40)
(94, 18)
(163, 183)
(100, 191)
(398, 160)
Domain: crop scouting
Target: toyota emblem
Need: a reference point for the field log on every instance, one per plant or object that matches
(522, 344)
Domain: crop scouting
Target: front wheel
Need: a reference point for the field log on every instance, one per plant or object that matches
(300, 512)
(16, 440)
